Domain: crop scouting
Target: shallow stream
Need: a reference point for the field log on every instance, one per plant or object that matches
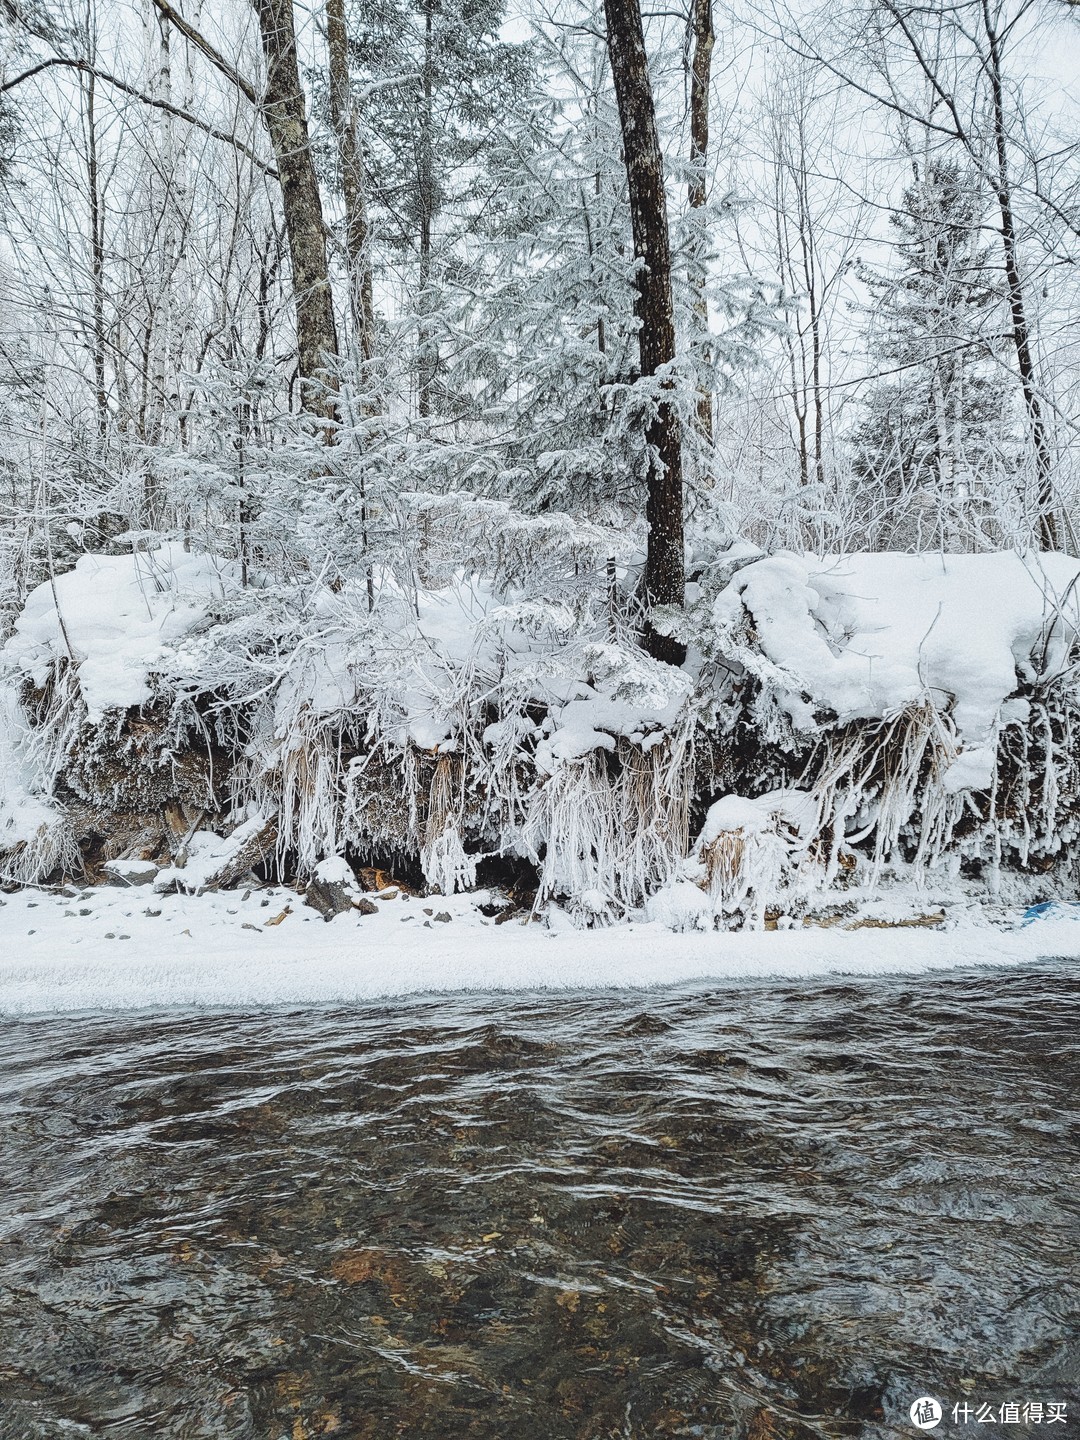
(763, 1211)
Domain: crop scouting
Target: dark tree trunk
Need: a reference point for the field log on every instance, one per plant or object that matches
(97, 261)
(1049, 521)
(286, 123)
(664, 563)
(700, 86)
(427, 358)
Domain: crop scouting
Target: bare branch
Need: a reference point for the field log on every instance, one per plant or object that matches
(214, 56)
(85, 68)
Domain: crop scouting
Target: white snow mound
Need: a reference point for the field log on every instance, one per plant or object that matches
(863, 636)
(114, 617)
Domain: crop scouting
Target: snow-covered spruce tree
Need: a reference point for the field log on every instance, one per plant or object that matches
(549, 358)
(436, 82)
(545, 362)
(936, 452)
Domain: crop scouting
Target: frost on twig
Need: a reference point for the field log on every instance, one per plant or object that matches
(838, 720)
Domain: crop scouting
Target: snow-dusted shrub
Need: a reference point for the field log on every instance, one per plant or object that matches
(749, 852)
(910, 710)
(899, 691)
(35, 833)
(681, 905)
(610, 826)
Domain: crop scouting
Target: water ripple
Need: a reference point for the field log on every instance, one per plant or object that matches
(761, 1212)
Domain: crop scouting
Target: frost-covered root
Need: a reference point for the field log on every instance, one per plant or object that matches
(310, 795)
(36, 838)
(50, 850)
(886, 785)
(334, 787)
(871, 781)
(446, 866)
(606, 834)
(877, 778)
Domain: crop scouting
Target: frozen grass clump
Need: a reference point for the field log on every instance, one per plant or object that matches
(838, 720)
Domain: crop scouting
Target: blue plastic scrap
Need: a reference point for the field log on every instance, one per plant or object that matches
(1052, 910)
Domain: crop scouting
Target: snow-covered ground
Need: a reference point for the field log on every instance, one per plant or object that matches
(127, 948)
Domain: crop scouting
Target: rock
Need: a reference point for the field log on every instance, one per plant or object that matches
(328, 897)
(337, 897)
(443, 917)
(382, 881)
(131, 872)
(257, 839)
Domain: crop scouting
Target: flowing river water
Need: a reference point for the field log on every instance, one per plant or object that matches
(762, 1211)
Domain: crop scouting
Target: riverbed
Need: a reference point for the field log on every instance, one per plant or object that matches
(757, 1210)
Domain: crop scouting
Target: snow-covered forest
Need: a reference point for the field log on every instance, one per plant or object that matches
(624, 457)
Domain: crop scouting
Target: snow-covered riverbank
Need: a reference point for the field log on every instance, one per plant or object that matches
(111, 948)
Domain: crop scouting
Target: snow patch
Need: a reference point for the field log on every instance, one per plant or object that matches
(114, 617)
(866, 635)
(218, 950)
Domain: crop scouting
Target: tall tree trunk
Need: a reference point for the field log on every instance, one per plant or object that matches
(664, 561)
(700, 86)
(97, 260)
(286, 122)
(162, 309)
(427, 360)
(346, 123)
(282, 108)
(1049, 520)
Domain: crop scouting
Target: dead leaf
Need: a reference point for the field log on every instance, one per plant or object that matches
(762, 1425)
(356, 1266)
(277, 919)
